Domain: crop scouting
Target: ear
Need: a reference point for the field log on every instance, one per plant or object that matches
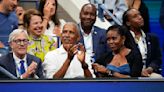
(123, 39)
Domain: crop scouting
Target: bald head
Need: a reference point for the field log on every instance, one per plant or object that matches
(88, 16)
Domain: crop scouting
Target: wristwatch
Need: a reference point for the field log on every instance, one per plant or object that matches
(85, 66)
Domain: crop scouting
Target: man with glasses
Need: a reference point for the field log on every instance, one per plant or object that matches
(19, 63)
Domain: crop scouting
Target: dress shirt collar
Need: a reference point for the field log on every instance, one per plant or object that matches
(142, 33)
(17, 60)
(62, 50)
(82, 31)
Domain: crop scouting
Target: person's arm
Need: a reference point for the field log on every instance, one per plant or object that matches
(81, 58)
(47, 15)
(136, 4)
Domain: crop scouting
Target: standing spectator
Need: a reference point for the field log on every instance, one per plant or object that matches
(19, 63)
(51, 23)
(70, 59)
(140, 6)
(146, 43)
(9, 20)
(39, 44)
(93, 38)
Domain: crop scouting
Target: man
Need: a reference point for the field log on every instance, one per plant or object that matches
(146, 43)
(70, 60)
(9, 20)
(93, 38)
(19, 63)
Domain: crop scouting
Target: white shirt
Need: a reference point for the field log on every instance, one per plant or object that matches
(141, 45)
(56, 58)
(18, 64)
(88, 41)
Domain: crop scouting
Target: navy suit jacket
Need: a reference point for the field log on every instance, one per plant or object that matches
(99, 42)
(8, 63)
(154, 56)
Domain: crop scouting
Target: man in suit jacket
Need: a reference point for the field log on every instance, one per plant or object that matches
(147, 44)
(32, 68)
(93, 38)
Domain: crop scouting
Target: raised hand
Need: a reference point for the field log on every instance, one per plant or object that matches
(81, 53)
(30, 70)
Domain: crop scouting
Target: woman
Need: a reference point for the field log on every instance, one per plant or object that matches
(122, 61)
(146, 44)
(51, 23)
(39, 44)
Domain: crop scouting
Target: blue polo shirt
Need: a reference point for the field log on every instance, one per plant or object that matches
(8, 22)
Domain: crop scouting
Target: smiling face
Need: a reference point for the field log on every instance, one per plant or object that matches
(88, 15)
(114, 40)
(19, 44)
(35, 27)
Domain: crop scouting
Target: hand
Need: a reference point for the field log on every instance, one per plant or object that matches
(20, 13)
(47, 9)
(81, 53)
(71, 49)
(30, 70)
(146, 72)
(99, 68)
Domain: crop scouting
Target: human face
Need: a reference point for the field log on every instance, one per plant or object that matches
(69, 34)
(53, 8)
(114, 40)
(19, 45)
(88, 16)
(135, 19)
(35, 27)
(9, 5)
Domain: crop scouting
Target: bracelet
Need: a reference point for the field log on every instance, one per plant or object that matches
(85, 66)
(110, 72)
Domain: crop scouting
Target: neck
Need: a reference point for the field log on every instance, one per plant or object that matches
(137, 31)
(87, 30)
(118, 51)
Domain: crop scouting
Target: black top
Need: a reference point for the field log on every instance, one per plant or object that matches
(133, 58)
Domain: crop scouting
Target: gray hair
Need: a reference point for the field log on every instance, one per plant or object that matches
(15, 33)
(74, 25)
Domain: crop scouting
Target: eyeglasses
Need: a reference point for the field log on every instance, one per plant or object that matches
(19, 41)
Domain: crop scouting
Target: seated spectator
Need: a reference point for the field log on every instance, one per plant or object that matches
(147, 44)
(122, 61)
(93, 37)
(39, 44)
(8, 19)
(141, 6)
(30, 67)
(70, 59)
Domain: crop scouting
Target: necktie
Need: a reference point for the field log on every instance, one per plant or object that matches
(22, 68)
